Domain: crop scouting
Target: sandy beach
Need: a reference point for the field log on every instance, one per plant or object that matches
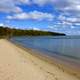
(17, 64)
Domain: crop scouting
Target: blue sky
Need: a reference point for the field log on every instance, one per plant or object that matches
(51, 15)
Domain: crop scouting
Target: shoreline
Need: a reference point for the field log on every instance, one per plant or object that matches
(17, 63)
(56, 60)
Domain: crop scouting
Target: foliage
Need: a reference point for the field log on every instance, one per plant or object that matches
(5, 31)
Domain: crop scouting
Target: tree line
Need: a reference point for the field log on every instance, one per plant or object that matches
(5, 31)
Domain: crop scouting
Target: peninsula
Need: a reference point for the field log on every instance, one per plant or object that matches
(5, 31)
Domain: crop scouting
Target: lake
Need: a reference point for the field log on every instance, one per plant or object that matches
(66, 46)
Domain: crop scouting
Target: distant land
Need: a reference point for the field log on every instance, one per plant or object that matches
(6, 31)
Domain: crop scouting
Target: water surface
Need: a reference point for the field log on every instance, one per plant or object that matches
(68, 46)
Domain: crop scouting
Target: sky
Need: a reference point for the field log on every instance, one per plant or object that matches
(52, 15)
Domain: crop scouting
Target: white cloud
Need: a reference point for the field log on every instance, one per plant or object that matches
(78, 24)
(54, 27)
(50, 27)
(1, 24)
(72, 27)
(24, 1)
(74, 5)
(64, 5)
(40, 2)
(41, 16)
(19, 16)
(32, 15)
(71, 20)
(9, 6)
(12, 5)
(35, 28)
(70, 8)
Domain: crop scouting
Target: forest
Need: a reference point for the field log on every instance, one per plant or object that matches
(9, 32)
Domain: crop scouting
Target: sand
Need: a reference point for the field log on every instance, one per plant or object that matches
(18, 64)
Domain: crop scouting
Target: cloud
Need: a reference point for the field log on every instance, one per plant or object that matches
(1, 24)
(35, 28)
(35, 15)
(69, 8)
(70, 11)
(67, 5)
(24, 1)
(9, 6)
(70, 19)
(40, 2)
(19, 16)
(12, 5)
(64, 5)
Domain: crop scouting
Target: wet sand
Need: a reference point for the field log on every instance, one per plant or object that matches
(18, 64)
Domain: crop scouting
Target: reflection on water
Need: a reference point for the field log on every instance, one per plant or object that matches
(66, 46)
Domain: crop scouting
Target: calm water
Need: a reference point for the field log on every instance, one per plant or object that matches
(63, 46)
